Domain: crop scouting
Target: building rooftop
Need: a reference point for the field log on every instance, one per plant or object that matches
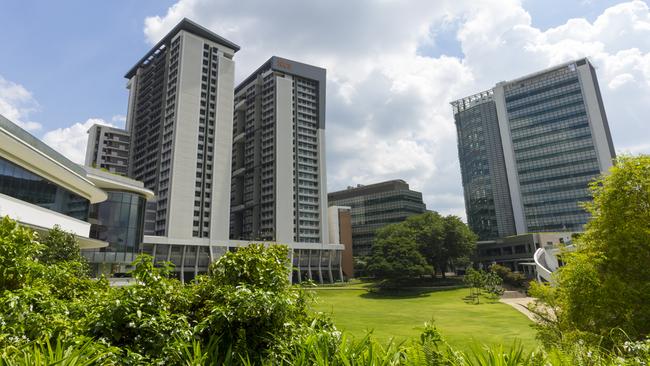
(110, 128)
(189, 26)
(287, 66)
(361, 190)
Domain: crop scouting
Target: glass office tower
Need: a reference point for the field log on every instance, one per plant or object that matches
(528, 149)
(485, 184)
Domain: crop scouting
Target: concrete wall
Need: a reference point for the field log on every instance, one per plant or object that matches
(284, 161)
(597, 120)
(509, 159)
(221, 168)
(322, 171)
(183, 168)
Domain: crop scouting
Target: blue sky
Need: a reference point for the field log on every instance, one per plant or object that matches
(393, 67)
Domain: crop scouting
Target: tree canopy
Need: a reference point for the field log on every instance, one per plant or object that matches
(423, 244)
(603, 291)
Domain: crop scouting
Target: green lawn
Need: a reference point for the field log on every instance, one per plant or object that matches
(402, 317)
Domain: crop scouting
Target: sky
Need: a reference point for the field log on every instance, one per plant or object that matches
(393, 67)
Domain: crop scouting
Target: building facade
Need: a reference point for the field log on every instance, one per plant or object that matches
(375, 206)
(108, 148)
(517, 251)
(180, 122)
(119, 221)
(278, 188)
(340, 231)
(528, 149)
(40, 188)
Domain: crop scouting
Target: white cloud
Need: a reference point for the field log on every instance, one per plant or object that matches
(71, 141)
(388, 113)
(119, 119)
(16, 103)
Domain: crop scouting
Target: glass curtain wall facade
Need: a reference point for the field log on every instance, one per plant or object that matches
(118, 221)
(20, 183)
(554, 149)
(529, 148)
(375, 206)
(485, 184)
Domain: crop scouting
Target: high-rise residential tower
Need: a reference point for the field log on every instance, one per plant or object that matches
(180, 122)
(278, 155)
(528, 149)
(108, 148)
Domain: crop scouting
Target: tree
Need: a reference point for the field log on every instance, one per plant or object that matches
(60, 246)
(441, 240)
(395, 255)
(428, 229)
(458, 242)
(604, 287)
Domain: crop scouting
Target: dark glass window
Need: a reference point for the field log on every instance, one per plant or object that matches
(119, 221)
(20, 183)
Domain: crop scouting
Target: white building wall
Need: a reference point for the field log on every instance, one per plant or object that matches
(90, 145)
(333, 226)
(596, 123)
(284, 160)
(37, 216)
(183, 169)
(509, 158)
(222, 160)
(324, 227)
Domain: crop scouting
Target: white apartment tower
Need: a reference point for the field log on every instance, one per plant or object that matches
(108, 148)
(279, 190)
(180, 122)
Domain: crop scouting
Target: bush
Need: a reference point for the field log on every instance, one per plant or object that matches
(515, 279)
(248, 303)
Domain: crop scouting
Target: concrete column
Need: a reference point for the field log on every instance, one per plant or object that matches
(153, 252)
(309, 264)
(299, 267)
(320, 265)
(329, 265)
(169, 252)
(340, 265)
(183, 264)
(196, 261)
(291, 264)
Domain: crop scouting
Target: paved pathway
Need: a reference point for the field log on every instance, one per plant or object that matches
(518, 301)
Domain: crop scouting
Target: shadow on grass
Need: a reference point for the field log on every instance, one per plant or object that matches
(401, 293)
(471, 300)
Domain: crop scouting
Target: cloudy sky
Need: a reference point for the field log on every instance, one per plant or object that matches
(393, 67)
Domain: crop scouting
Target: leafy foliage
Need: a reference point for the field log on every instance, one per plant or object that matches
(441, 240)
(602, 293)
(395, 255)
(248, 303)
(515, 279)
(479, 280)
(421, 245)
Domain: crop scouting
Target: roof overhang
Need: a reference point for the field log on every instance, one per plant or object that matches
(19, 151)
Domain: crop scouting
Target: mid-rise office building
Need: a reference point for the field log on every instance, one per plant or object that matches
(108, 149)
(180, 122)
(278, 155)
(528, 149)
(375, 206)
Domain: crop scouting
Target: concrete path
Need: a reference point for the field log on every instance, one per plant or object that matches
(518, 301)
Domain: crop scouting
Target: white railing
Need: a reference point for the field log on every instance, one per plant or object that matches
(543, 271)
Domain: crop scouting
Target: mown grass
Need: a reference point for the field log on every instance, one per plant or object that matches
(401, 316)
